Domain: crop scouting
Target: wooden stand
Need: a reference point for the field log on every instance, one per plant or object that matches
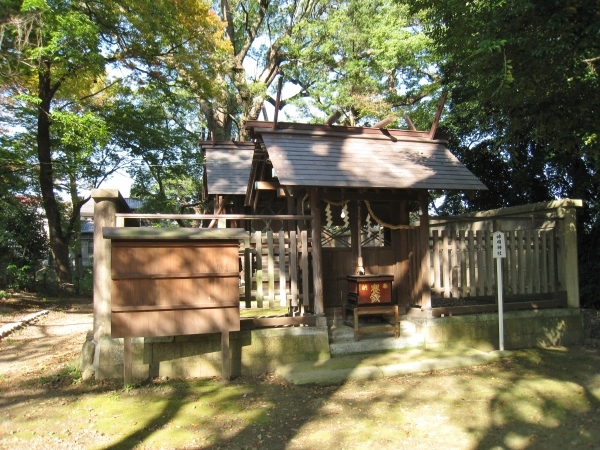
(358, 311)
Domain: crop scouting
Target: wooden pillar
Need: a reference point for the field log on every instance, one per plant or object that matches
(105, 208)
(300, 211)
(127, 362)
(401, 252)
(317, 261)
(569, 239)
(354, 236)
(225, 355)
(291, 210)
(424, 244)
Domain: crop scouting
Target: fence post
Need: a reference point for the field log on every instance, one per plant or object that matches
(105, 208)
(569, 237)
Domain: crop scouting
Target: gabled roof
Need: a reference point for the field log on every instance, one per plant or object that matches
(87, 210)
(331, 156)
(228, 167)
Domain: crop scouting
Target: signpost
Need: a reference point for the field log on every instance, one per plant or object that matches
(499, 243)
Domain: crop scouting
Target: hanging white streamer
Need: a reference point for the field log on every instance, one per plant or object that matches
(345, 215)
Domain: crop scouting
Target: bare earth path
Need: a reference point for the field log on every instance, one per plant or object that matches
(535, 399)
(47, 344)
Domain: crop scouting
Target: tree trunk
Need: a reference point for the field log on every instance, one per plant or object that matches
(59, 246)
(76, 234)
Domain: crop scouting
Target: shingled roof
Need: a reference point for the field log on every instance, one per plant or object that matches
(228, 167)
(362, 158)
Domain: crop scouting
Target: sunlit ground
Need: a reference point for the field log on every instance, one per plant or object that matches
(541, 399)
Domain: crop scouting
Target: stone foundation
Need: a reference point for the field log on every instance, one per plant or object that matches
(252, 353)
(522, 329)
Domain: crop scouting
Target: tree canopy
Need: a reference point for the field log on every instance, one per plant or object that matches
(59, 62)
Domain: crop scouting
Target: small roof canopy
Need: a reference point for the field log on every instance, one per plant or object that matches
(227, 167)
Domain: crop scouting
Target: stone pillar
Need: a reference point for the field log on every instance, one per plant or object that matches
(570, 254)
(105, 207)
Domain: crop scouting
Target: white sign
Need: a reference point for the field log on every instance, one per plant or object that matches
(499, 245)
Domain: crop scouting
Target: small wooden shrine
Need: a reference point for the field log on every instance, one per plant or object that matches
(344, 177)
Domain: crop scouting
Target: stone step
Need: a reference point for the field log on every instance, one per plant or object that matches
(340, 331)
(372, 343)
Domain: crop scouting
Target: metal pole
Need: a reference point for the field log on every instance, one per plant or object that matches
(500, 303)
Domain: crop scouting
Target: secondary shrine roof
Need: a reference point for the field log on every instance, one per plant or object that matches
(228, 167)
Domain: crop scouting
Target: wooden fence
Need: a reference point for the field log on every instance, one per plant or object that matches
(462, 265)
(276, 270)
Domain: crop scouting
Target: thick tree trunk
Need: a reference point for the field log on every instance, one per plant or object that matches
(59, 246)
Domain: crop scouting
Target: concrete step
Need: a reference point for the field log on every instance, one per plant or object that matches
(341, 339)
(379, 365)
(375, 342)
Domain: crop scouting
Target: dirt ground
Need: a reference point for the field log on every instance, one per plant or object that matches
(536, 399)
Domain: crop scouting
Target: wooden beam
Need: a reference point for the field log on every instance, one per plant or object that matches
(261, 322)
(333, 118)
(384, 195)
(278, 101)
(264, 112)
(384, 123)
(410, 123)
(267, 185)
(438, 115)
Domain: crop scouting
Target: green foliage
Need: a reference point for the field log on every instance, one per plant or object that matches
(23, 241)
(62, 64)
(368, 59)
(160, 133)
(18, 277)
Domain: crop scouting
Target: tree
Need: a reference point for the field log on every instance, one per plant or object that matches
(524, 79)
(54, 57)
(367, 58)
(161, 134)
(23, 241)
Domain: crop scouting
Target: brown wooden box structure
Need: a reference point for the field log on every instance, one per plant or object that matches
(174, 284)
(365, 290)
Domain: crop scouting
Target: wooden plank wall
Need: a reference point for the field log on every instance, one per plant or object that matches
(167, 288)
(461, 265)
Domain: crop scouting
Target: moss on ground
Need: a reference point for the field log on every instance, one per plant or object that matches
(536, 399)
